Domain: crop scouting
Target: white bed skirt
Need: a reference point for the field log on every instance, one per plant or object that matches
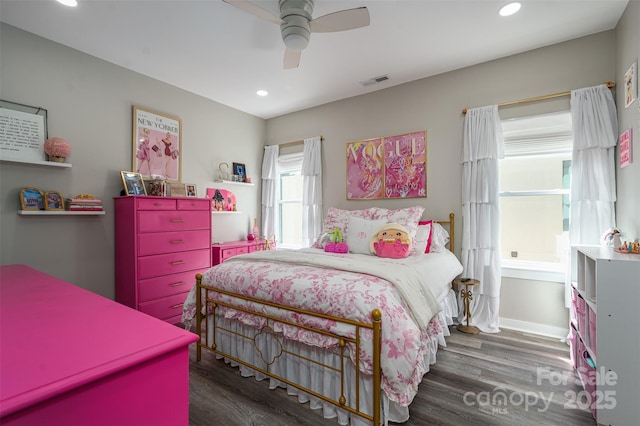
(316, 378)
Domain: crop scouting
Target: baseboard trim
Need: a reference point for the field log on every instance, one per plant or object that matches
(535, 328)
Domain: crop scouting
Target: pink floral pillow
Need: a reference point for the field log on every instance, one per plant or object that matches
(407, 217)
(339, 219)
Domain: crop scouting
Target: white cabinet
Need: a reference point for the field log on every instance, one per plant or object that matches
(606, 297)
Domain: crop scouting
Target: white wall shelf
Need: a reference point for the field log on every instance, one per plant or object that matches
(38, 163)
(225, 212)
(59, 213)
(235, 183)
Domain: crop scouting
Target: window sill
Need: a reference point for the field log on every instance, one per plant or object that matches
(539, 271)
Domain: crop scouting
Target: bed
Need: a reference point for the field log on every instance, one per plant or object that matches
(306, 318)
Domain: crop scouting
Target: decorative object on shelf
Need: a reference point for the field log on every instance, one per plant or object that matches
(389, 167)
(84, 203)
(190, 190)
(221, 200)
(256, 230)
(612, 237)
(31, 199)
(53, 201)
(24, 130)
(632, 247)
(133, 183)
(157, 144)
(250, 237)
(223, 171)
(57, 149)
(239, 172)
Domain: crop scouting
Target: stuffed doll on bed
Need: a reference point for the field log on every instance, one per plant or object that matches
(392, 240)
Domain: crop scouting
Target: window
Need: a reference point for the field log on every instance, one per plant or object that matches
(534, 192)
(289, 213)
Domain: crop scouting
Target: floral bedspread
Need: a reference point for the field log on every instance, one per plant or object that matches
(332, 292)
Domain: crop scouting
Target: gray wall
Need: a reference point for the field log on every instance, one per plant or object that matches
(628, 178)
(435, 104)
(89, 103)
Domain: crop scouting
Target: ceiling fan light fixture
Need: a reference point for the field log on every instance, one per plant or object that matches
(70, 3)
(510, 9)
(295, 41)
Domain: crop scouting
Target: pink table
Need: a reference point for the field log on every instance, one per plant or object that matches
(69, 356)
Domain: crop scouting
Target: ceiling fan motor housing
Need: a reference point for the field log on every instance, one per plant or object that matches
(295, 30)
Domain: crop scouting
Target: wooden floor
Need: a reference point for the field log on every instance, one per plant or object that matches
(472, 375)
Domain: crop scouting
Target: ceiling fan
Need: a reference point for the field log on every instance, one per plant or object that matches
(297, 24)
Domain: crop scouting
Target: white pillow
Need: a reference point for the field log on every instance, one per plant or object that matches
(439, 238)
(359, 233)
(422, 238)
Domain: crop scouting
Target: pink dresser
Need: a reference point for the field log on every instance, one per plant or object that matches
(72, 357)
(161, 244)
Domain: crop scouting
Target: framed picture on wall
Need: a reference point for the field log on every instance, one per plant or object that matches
(133, 183)
(630, 85)
(157, 145)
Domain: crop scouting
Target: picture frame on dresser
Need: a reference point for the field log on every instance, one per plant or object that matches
(31, 199)
(53, 201)
(133, 183)
(190, 190)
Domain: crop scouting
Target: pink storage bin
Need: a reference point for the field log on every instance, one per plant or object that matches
(592, 330)
(582, 316)
(588, 375)
(573, 308)
(573, 345)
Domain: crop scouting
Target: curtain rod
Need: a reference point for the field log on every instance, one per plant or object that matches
(294, 143)
(610, 84)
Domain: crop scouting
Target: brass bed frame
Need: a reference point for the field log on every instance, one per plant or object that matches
(204, 298)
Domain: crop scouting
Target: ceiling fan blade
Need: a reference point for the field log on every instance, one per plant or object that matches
(344, 20)
(291, 59)
(251, 8)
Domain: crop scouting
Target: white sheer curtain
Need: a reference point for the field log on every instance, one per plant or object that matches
(593, 180)
(269, 189)
(312, 190)
(483, 147)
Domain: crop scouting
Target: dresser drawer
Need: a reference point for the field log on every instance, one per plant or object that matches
(163, 221)
(166, 307)
(242, 250)
(166, 285)
(227, 253)
(155, 203)
(194, 204)
(164, 264)
(169, 242)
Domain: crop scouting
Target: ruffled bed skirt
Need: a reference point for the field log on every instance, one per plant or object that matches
(319, 379)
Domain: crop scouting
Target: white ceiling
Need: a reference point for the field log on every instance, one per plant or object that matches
(222, 53)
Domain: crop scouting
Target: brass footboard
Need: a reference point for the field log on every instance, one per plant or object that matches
(204, 299)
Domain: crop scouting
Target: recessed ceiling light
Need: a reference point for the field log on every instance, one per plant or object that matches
(509, 9)
(262, 93)
(70, 3)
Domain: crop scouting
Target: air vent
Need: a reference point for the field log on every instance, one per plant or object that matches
(375, 80)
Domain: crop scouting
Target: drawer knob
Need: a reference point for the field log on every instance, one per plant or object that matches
(177, 242)
(178, 284)
(177, 220)
(179, 305)
(157, 204)
(178, 262)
